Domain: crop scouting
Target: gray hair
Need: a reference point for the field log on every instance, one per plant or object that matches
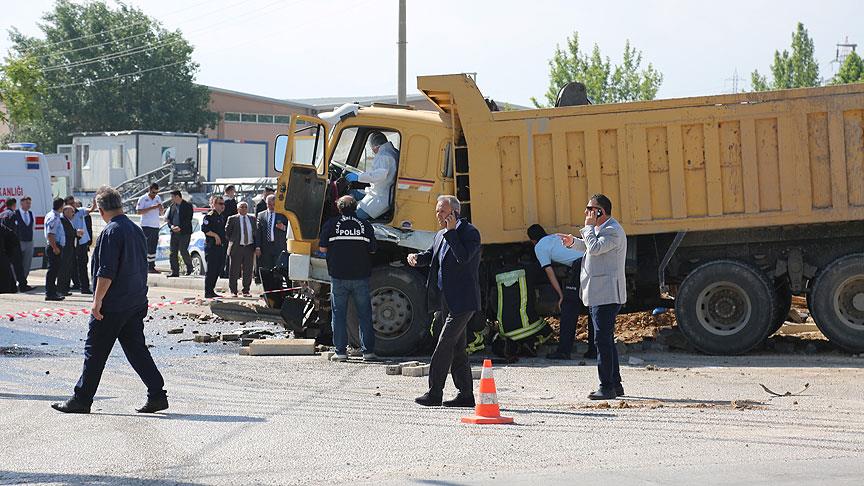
(267, 199)
(108, 199)
(346, 204)
(451, 201)
(243, 203)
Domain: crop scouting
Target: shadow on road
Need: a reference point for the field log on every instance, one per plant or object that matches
(559, 412)
(191, 417)
(97, 479)
(47, 398)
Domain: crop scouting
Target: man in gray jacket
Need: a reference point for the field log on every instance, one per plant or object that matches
(603, 286)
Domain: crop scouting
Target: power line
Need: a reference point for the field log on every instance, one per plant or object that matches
(115, 41)
(119, 27)
(116, 76)
(141, 49)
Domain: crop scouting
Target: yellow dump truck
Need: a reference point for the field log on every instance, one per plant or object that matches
(732, 204)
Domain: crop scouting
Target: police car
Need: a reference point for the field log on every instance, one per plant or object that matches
(196, 247)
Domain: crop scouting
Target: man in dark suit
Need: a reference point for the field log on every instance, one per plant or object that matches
(180, 221)
(24, 224)
(272, 235)
(230, 210)
(10, 222)
(262, 204)
(453, 288)
(119, 269)
(240, 231)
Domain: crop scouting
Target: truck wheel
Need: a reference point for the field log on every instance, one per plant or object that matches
(399, 313)
(782, 305)
(837, 302)
(725, 307)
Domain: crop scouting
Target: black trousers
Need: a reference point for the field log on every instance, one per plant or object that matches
(215, 263)
(450, 353)
(53, 272)
(608, 368)
(67, 267)
(128, 328)
(180, 243)
(152, 235)
(571, 308)
(82, 258)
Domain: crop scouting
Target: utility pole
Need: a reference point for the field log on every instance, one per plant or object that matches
(401, 93)
(734, 79)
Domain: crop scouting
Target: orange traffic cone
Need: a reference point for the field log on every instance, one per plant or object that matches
(487, 411)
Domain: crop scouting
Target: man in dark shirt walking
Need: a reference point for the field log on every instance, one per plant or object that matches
(349, 243)
(119, 270)
(215, 246)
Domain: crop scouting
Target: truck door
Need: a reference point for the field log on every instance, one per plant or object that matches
(301, 159)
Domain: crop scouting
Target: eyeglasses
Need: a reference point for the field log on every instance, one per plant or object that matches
(592, 208)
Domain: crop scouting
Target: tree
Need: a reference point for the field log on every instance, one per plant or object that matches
(603, 82)
(106, 69)
(796, 70)
(851, 71)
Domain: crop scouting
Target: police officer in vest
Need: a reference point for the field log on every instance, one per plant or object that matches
(349, 244)
(216, 245)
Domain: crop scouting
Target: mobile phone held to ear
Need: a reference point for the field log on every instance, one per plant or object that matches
(455, 215)
(599, 213)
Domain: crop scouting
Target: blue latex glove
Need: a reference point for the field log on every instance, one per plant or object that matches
(351, 177)
(659, 310)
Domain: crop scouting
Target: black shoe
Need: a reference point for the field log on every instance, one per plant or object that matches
(56, 298)
(68, 294)
(25, 288)
(461, 400)
(428, 400)
(602, 394)
(86, 292)
(212, 296)
(558, 355)
(189, 273)
(153, 406)
(71, 406)
(172, 275)
(590, 354)
(619, 390)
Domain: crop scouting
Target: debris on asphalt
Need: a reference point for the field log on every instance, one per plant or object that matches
(206, 338)
(177, 330)
(787, 394)
(281, 347)
(634, 361)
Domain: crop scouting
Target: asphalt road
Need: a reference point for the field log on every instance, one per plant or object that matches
(300, 420)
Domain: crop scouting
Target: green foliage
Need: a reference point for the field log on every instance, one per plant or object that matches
(21, 85)
(851, 71)
(797, 69)
(604, 82)
(106, 69)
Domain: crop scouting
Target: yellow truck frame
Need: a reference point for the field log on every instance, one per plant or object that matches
(731, 203)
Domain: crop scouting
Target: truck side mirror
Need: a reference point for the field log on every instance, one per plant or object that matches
(280, 152)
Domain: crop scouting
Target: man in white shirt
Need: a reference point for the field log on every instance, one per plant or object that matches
(375, 200)
(150, 208)
(240, 231)
(549, 249)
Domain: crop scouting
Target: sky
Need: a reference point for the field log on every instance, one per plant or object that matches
(320, 48)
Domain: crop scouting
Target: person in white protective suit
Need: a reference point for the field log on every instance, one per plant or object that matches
(375, 200)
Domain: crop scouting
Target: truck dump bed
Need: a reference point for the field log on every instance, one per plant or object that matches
(692, 164)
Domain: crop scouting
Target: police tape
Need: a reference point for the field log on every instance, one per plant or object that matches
(63, 312)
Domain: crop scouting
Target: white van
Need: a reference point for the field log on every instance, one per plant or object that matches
(24, 173)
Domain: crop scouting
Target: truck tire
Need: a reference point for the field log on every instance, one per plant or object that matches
(782, 305)
(836, 301)
(725, 307)
(398, 312)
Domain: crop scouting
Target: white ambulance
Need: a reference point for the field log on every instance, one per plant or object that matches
(25, 173)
